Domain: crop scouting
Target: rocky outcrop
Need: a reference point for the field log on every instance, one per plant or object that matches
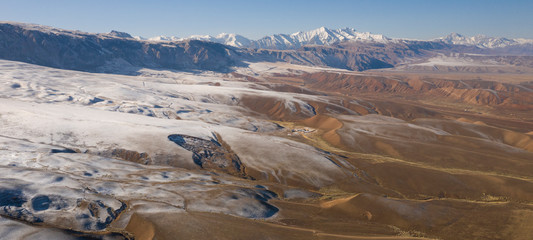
(211, 154)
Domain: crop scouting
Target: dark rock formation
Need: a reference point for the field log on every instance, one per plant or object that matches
(211, 154)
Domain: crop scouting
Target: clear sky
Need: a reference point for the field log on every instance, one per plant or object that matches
(420, 19)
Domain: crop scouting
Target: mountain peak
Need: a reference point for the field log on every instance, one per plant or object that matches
(481, 41)
(321, 30)
(119, 34)
(319, 36)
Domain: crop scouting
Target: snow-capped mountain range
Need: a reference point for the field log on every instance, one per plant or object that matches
(319, 36)
(326, 36)
(230, 39)
(483, 41)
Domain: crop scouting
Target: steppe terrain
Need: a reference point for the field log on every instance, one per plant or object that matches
(267, 151)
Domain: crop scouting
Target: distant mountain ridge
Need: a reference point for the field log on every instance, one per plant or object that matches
(319, 36)
(108, 52)
(325, 37)
(229, 39)
(483, 41)
(119, 52)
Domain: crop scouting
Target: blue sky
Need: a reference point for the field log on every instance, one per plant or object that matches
(254, 19)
